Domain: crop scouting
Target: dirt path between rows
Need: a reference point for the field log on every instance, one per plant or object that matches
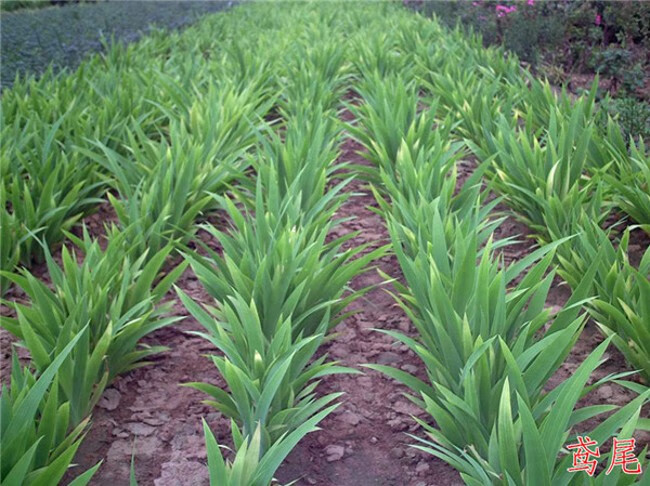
(364, 441)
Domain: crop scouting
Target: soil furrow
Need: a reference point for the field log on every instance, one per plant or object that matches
(365, 442)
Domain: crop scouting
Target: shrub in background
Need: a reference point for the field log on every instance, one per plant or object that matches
(583, 37)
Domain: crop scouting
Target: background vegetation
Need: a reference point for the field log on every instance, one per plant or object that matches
(569, 42)
(32, 38)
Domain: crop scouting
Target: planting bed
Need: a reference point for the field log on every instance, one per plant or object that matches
(306, 214)
(64, 36)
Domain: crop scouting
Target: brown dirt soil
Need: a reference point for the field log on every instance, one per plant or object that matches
(364, 442)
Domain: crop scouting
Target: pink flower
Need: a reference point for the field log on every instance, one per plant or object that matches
(598, 19)
(475, 4)
(503, 10)
(531, 2)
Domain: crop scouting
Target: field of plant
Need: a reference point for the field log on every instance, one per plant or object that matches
(329, 243)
